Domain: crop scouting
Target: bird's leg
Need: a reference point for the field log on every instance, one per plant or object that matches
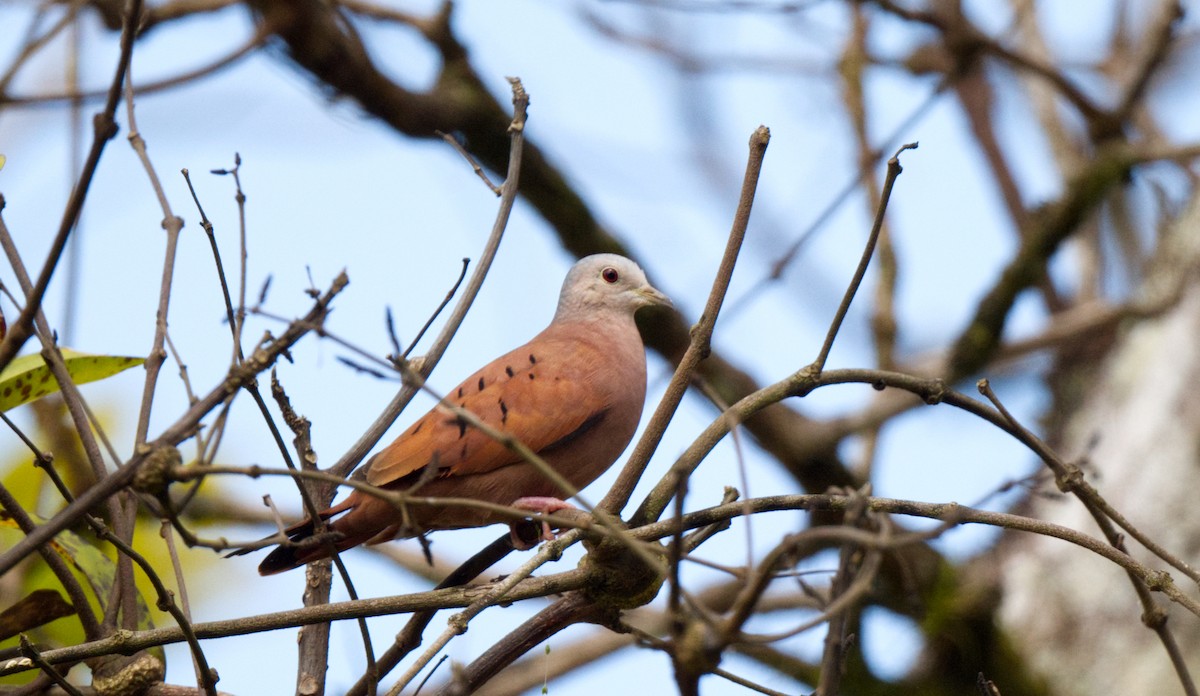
(539, 504)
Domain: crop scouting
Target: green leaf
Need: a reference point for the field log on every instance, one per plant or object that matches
(97, 569)
(28, 377)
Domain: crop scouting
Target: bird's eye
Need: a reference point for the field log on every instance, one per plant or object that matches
(610, 275)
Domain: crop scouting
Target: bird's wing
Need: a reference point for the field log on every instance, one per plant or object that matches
(544, 394)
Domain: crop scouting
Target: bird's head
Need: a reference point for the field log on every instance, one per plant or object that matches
(606, 282)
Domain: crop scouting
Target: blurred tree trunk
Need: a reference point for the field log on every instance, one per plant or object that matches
(1131, 420)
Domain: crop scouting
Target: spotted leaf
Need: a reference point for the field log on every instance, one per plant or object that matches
(28, 377)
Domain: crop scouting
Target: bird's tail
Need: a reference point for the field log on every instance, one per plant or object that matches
(303, 546)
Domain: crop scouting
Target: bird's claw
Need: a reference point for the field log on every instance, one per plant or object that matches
(541, 505)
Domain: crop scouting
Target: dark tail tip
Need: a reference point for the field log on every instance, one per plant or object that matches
(303, 548)
(291, 554)
(281, 558)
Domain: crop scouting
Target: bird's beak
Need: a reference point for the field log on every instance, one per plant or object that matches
(651, 296)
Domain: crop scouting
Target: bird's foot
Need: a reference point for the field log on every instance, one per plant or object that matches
(538, 504)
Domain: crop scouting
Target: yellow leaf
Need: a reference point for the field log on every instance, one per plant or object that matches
(28, 377)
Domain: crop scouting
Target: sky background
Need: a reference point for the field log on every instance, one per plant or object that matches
(658, 154)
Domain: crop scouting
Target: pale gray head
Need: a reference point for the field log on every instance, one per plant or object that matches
(606, 283)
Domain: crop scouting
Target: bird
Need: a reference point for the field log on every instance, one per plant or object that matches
(573, 394)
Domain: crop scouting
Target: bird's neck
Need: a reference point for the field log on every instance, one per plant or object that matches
(610, 331)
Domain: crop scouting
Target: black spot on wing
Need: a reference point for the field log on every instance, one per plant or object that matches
(503, 412)
(460, 392)
(592, 421)
(420, 424)
(532, 360)
(480, 384)
(461, 422)
(508, 370)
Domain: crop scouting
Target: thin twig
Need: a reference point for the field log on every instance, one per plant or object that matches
(260, 360)
(893, 171)
(445, 301)
(183, 79)
(701, 336)
(409, 638)
(1070, 479)
(457, 624)
(70, 584)
(29, 651)
(205, 675)
(372, 435)
(576, 579)
(105, 128)
(313, 645)
(479, 172)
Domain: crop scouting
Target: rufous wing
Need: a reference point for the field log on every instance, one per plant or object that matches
(542, 393)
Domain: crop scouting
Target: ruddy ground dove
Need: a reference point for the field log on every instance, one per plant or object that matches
(573, 394)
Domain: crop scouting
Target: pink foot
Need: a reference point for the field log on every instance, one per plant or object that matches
(542, 505)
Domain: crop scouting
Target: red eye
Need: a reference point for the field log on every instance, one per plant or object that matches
(610, 275)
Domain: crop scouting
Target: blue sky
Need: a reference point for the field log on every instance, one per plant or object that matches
(658, 155)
